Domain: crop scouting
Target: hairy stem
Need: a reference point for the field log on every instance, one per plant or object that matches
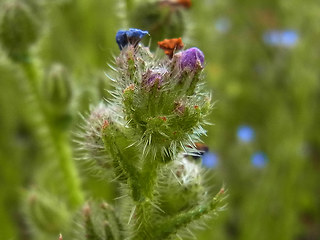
(124, 157)
(59, 140)
(145, 207)
(68, 168)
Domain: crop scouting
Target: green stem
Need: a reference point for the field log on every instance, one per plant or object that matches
(68, 168)
(149, 176)
(58, 139)
(117, 142)
(145, 208)
(32, 77)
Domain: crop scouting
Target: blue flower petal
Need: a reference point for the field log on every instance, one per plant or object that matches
(121, 39)
(132, 36)
(259, 159)
(209, 159)
(285, 38)
(136, 33)
(245, 133)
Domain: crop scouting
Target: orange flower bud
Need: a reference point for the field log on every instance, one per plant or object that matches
(170, 45)
(185, 3)
(176, 3)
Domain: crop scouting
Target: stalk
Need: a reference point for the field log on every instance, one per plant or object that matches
(148, 178)
(59, 140)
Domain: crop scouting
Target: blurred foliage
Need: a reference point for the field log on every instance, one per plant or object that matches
(272, 87)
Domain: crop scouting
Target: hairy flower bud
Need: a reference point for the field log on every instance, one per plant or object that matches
(97, 222)
(90, 141)
(57, 87)
(18, 29)
(192, 60)
(47, 213)
(152, 78)
(182, 186)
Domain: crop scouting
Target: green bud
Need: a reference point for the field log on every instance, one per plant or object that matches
(90, 140)
(94, 224)
(57, 93)
(18, 30)
(108, 232)
(161, 98)
(90, 231)
(181, 186)
(57, 87)
(47, 213)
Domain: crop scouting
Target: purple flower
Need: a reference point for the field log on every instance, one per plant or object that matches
(209, 159)
(152, 78)
(259, 159)
(245, 133)
(192, 59)
(132, 36)
(286, 38)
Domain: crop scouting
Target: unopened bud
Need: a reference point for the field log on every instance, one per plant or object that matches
(86, 211)
(151, 79)
(47, 213)
(180, 108)
(192, 60)
(57, 87)
(18, 30)
(91, 143)
(183, 186)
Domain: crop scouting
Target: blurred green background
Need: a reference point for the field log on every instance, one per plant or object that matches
(262, 67)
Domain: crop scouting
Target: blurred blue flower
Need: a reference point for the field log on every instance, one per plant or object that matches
(132, 36)
(286, 38)
(245, 133)
(209, 159)
(222, 24)
(259, 159)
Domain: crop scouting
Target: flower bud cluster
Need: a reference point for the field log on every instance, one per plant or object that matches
(162, 97)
